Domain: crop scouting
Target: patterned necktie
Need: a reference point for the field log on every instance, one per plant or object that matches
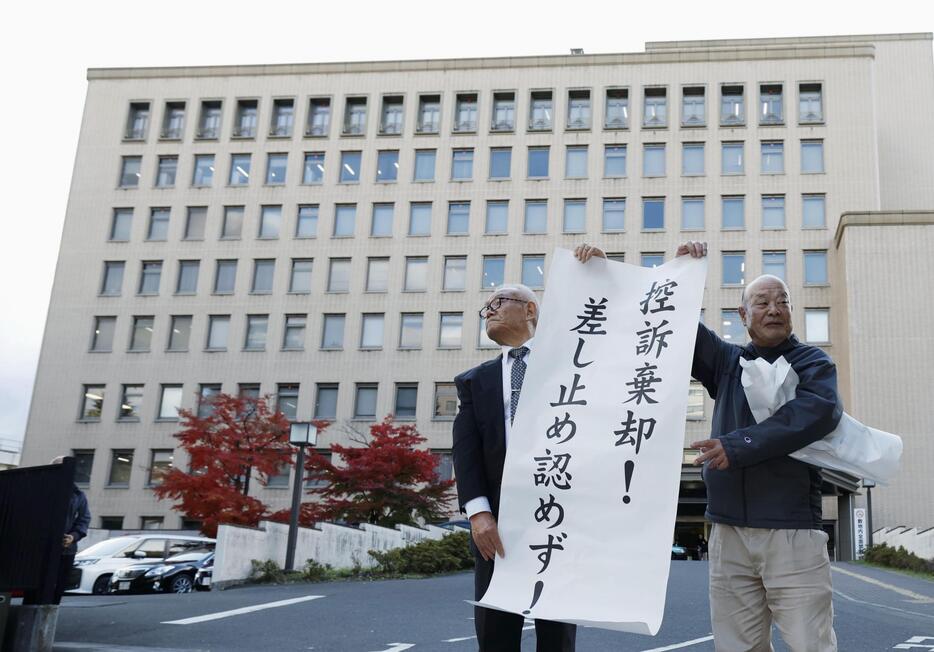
(518, 373)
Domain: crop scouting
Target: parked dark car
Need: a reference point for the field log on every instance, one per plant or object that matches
(94, 567)
(679, 552)
(174, 575)
(205, 575)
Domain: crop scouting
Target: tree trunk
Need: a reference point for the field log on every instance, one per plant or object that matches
(246, 481)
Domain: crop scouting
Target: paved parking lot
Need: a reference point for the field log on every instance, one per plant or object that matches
(875, 610)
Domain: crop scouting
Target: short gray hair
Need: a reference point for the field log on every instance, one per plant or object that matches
(764, 277)
(526, 292)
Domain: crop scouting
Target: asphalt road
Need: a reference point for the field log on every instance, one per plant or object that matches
(875, 610)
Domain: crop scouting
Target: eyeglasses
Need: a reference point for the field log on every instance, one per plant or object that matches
(496, 304)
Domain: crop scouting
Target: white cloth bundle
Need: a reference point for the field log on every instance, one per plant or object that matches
(852, 447)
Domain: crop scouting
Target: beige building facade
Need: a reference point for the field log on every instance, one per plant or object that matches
(885, 358)
(325, 233)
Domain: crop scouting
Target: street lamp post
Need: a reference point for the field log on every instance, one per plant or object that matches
(301, 434)
(869, 484)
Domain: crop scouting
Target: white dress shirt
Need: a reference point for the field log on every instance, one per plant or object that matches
(482, 503)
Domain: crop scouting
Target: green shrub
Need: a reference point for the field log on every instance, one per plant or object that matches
(458, 545)
(266, 571)
(427, 557)
(316, 572)
(885, 555)
(356, 571)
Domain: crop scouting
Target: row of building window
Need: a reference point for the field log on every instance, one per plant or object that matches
(145, 522)
(372, 328)
(415, 273)
(535, 218)
(538, 164)
(286, 401)
(504, 114)
(333, 326)
(162, 460)
(405, 401)
(256, 332)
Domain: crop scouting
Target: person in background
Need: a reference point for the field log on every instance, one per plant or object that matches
(77, 521)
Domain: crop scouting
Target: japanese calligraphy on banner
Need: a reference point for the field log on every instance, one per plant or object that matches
(590, 486)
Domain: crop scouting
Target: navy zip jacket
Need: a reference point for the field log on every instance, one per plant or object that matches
(764, 487)
(77, 520)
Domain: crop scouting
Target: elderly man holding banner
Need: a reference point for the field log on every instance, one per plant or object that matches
(488, 396)
(768, 553)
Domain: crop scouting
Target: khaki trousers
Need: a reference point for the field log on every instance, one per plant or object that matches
(759, 576)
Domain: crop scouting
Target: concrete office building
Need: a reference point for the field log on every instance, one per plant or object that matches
(327, 232)
(9, 453)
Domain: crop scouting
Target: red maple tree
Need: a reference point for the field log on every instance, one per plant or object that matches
(385, 480)
(240, 436)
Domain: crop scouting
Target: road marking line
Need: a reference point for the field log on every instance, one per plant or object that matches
(242, 610)
(678, 646)
(920, 599)
(883, 606)
(910, 643)
(101, 647)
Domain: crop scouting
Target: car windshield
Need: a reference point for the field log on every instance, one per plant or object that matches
(108, 548)
(193, 555)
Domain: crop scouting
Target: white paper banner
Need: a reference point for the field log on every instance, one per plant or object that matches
(590, 486)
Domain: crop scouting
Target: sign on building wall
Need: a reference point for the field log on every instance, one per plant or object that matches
(859, 531)
(590, 486)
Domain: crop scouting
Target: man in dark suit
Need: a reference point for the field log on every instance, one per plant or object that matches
(489, 395)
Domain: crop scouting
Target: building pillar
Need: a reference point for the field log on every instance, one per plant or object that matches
(845, 549)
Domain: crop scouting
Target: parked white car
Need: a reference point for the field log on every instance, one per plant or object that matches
(95, 566)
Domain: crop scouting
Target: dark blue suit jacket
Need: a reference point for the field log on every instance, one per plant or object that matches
(480, 434)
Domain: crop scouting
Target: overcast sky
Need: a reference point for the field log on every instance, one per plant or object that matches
(46, 48)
